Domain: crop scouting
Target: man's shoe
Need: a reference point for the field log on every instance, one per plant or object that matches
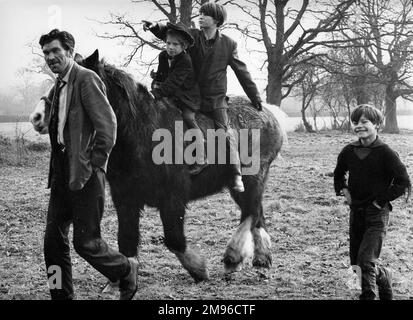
(384, 283)
(238, 184)
(128, 285)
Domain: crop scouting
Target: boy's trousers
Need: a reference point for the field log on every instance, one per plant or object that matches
(368, 228)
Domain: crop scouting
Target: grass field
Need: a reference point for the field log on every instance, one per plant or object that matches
(308, 225)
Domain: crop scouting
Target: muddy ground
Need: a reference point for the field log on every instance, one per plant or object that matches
(308, 225)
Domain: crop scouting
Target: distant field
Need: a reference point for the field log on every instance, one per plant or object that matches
(13, 118)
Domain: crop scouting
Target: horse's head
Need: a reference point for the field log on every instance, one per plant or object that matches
(92, 62)
(39, 117)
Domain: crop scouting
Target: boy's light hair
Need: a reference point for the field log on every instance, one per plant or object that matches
(371, 113)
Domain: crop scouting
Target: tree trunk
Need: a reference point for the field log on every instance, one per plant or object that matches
(362, 97)
(390, 124)
(274, 92)
(307, 125)
(185, 10)
(349, 118)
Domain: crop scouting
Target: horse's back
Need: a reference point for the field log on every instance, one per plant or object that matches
(244, 116)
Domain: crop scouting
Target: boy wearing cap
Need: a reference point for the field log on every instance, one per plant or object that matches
(211, 54)
(175, 78)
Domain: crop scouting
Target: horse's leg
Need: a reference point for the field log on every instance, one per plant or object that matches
(241, 244)
(251, 238)
(262, 242)
(240, 247)
(172, 216)
(128, 210)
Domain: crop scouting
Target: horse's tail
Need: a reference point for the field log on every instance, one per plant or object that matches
(281, 117)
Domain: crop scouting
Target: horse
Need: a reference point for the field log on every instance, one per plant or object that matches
(135, 180)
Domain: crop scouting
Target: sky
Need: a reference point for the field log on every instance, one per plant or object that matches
(23, 22)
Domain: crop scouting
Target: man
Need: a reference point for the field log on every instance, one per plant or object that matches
(211, 54)
(82, 131)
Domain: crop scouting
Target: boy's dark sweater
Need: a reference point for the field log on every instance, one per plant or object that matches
(375, 173)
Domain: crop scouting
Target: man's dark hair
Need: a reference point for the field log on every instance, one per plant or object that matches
(65, 38)
(214, 10)
(369, 112)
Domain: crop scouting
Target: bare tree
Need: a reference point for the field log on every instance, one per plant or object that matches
(306, 91)
(27, 91)
(130, 31)
(385, 32)
(289, 33)
(38, 64)
(8, 103)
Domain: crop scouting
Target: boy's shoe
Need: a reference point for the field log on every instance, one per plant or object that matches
(128, 285)
(384, 283)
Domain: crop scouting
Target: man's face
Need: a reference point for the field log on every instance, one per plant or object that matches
(56, 57)
(206, 22)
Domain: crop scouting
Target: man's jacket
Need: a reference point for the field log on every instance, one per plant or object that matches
(90, 130)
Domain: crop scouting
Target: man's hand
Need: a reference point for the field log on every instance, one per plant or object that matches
(257, 105)
(346, 193)
(148, 25)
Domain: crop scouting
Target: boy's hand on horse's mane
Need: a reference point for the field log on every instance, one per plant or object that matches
(257, 105)
(148, 25)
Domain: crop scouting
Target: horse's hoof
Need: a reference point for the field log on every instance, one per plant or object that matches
(199, 277)
(262, 262)
(194, 264)
(232, 264)
(231, 268)
(111, 287)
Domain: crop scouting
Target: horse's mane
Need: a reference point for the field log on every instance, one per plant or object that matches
(134, 102)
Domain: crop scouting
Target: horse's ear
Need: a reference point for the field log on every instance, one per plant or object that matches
(78, 58)
(93, 60)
